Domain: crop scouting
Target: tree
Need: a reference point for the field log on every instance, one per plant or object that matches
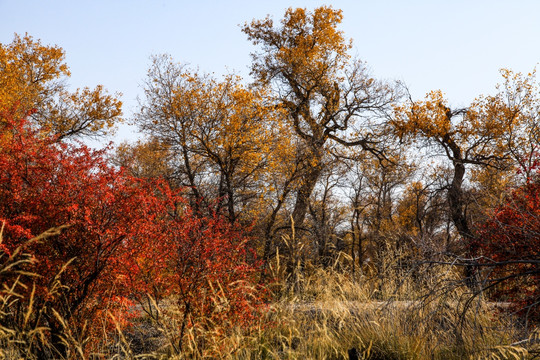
(466, 137)
(146, 159)
(221, 133)
(45, 185)
(327, 214)
(493, 136)
(517, 104)
(33, 79)
(325, 96)
(421, 215)
(373, 189)
(205, 263)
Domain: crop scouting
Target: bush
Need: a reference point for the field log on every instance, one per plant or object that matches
(509, 248)
(122, 238)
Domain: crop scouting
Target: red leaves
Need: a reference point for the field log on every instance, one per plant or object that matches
(44, 185)
(127, 237)
(201, 260)
(510, 241)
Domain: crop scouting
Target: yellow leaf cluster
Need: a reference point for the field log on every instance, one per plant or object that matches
(33, 80)
(308, 45)
(29, 72)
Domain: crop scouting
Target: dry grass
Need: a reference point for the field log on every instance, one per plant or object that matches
(327, 314)
(334, 315)
(324, 315)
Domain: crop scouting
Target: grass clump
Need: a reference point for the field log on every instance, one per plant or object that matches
(326, 314)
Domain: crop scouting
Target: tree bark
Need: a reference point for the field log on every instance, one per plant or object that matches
(304, 193)
(456, 201)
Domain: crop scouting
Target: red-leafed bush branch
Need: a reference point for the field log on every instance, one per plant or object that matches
(510, 245)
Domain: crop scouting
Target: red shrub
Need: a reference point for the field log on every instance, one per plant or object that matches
(126, 236)
(510, 242)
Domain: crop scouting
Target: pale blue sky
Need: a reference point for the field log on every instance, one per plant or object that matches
(456, 46)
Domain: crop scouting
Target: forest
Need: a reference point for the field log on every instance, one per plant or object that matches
(313, 212)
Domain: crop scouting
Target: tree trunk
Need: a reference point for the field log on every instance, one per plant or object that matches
(304, 193)
(456, 202)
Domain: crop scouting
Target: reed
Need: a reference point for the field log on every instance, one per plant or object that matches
(327, 314)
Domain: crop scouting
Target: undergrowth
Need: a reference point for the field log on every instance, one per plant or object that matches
(327, 314)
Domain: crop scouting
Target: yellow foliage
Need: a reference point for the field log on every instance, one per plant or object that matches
(307, 44)
(491, 129)
(33, 80)
(145, 159)
(228, 139)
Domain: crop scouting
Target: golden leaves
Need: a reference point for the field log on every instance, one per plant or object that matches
(223, 134)
(429, 118)
(306, 46)
(32, 79)
(150, 159)
(29, 71)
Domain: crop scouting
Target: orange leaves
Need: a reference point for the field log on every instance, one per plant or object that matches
(29, 71)
(305, 44)
(429, 118)
(491, 128)
(33, 79)
(306, 63)
(516, 107)
(149, 159)
(325, 98)
(222, 132)
(84, 112)
(466, 135)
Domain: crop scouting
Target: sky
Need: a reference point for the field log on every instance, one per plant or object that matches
(457, 46)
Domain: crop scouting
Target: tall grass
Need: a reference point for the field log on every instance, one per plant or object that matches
(21, 335)
(24, 334)
(327, 314)
(335, 315)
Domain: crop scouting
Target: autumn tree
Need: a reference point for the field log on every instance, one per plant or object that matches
(221, 133)
(45, 185)
(373, 190)
(33, 76)
(327, 96)
(421, 215)
(493, 137)
(327, 214)
(465, 137)
(517, 105)
(149, 159)
(204, 264)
